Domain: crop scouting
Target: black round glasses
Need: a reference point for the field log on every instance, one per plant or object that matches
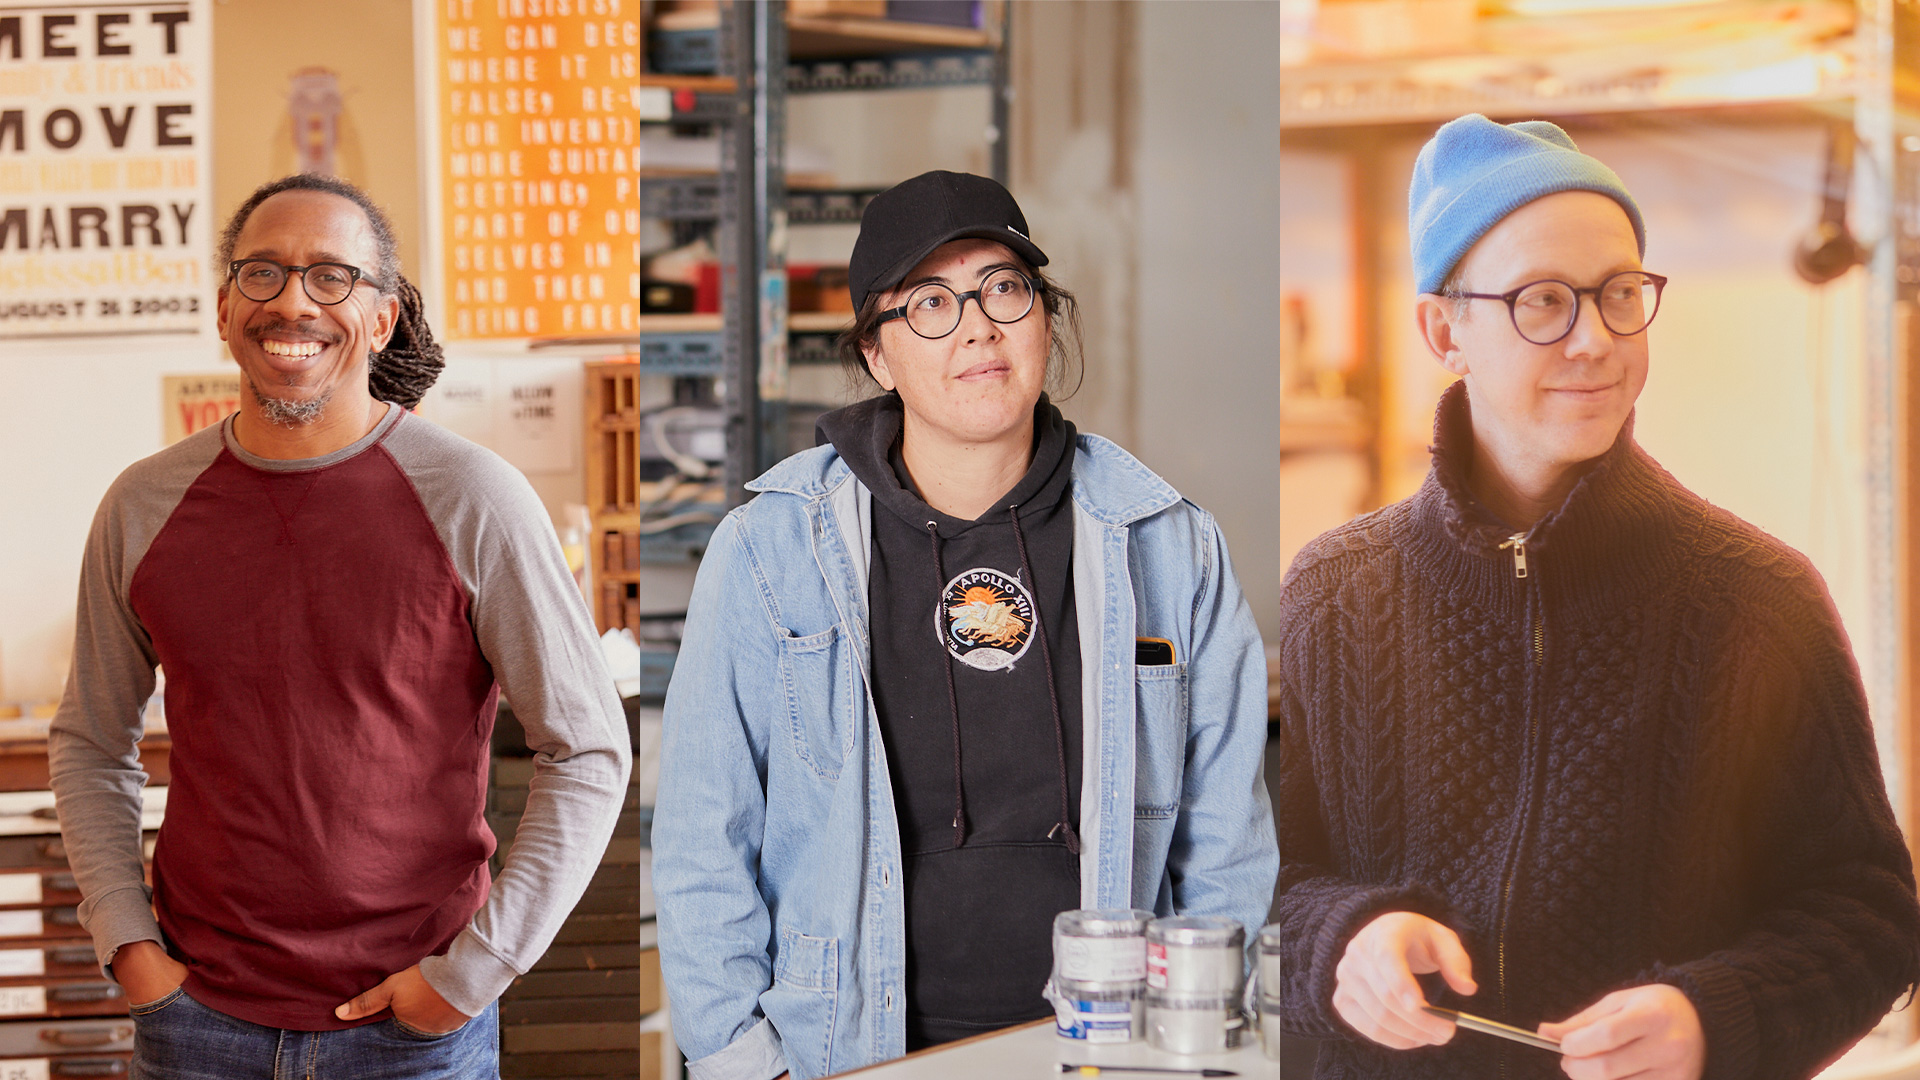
(327, 283)
(1544, 312)
(933, 311)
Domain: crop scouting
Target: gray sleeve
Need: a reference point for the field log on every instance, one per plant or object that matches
(92, 745)
(532, 624)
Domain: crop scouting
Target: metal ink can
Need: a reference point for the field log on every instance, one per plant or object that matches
(1099, 984)
(1267, 973)
(1099, 1012)
(1267, 961)
(1270, 1030)
(1101, 946)
(1197, 954)
(1194, 1023)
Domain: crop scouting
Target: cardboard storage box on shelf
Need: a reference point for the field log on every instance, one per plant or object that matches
(1379, 29)
(817, 288)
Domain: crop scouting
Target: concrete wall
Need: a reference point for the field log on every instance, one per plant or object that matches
(1206, 165)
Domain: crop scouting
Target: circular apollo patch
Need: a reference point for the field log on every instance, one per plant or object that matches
(985, 619)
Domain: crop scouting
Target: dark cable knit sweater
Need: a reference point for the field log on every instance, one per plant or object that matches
(1647, 760)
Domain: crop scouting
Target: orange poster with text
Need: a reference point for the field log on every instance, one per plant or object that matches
(539, 167)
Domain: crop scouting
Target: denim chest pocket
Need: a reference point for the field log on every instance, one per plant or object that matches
(816, 671)
(1160, 739)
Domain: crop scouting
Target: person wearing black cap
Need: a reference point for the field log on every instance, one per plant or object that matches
(955, 670)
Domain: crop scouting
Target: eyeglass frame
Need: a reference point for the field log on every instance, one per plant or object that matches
(1034, 287)
(1511, 295)
(355, 273)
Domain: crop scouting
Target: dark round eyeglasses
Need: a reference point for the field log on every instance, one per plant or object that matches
(327, 283)
(933, 311)
(1544, 312)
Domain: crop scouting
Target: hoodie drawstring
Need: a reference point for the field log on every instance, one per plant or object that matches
(1053, 692)
(1065, 824)
(953, 699)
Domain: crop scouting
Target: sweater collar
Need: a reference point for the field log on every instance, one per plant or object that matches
(1610, 533)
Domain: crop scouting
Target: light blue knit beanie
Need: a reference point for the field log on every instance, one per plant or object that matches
(1473, 172)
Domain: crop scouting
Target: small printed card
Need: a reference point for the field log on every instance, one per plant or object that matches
(27, 1069)
(22, 923)
(23, 1000)
(20, 888)
(16, 962)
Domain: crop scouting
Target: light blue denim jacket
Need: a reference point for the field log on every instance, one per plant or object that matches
(776, 846)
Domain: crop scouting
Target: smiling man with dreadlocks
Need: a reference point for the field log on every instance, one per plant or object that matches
(338, 592)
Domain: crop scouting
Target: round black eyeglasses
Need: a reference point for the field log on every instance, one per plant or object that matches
(1544, 312)
(327, 283)
(933, 311)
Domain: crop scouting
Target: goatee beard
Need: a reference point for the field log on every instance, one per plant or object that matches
(288, 412)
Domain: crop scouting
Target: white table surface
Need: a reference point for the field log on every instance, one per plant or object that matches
(1034, 1052)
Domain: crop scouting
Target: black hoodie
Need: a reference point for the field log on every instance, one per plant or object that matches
(975, 729)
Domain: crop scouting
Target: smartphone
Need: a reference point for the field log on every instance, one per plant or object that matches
(1152, 652)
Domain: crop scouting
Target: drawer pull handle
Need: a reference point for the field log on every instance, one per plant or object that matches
(89, 1067)
(87, 1036)
(100, 991)
(73, 954)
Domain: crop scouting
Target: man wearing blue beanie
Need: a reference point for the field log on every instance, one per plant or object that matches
(1563, 745)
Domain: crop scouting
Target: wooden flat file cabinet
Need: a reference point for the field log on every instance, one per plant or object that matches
(59, 1016)
(576, 1014)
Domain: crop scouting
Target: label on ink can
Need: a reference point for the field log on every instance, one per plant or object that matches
(1157, 965)
(1099, 1021)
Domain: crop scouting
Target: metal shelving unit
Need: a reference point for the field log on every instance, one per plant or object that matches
(739, 359)
(849, 55)
(735, 363)
(702, 356)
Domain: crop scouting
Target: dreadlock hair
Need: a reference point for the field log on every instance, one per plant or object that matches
(404, 370)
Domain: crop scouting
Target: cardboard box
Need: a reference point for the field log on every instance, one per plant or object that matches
(650, 1053)
(652, 996)
(811, 287)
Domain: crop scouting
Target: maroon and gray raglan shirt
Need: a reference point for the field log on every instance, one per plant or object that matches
(335, 633)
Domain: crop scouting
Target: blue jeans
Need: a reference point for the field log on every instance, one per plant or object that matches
(177, 1038)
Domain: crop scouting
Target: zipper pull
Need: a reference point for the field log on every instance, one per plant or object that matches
(1518, 542)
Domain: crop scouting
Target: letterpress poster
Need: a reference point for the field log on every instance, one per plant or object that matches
(106, 209)
(538, 132)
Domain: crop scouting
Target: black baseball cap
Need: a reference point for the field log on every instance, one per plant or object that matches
(904, 223)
